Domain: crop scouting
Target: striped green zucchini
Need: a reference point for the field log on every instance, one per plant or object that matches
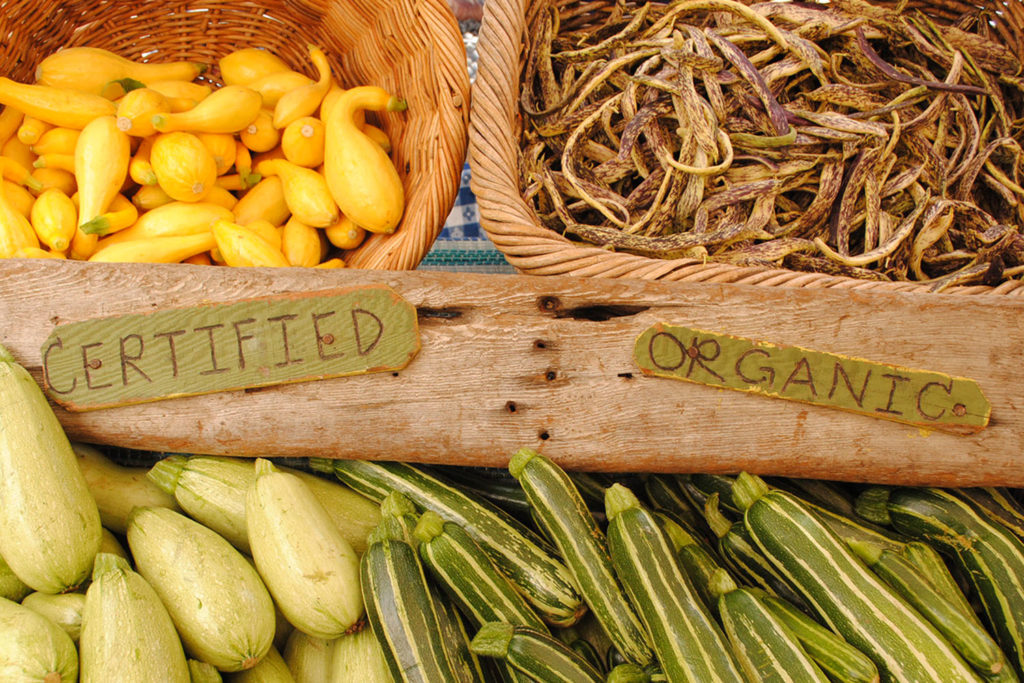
(469, 579)
(844, 593)
(710, 484)
(688, 642)
(516, 550)
(591, 488)
(739, 552)
(970, 639)
(584, 648)
(989, 555)
(564, 515)
(694, 559)
(929, 563)
(398, 519)
(465, 572)
(826, 494)
(456, 637)
(490, 483)
(664, 493)
(403, 614)
(872, 505)
(766, 650)
(839, 660)
(998, 504)
(534, 653)
(627, 672)
(850, 528)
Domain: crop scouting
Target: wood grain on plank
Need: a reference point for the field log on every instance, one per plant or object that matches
(508, 361)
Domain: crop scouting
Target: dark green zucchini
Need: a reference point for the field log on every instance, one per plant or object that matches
(528, 560)
(534, 653)
(988, 554)
(689, 644)
(844, 593)
(564, 515)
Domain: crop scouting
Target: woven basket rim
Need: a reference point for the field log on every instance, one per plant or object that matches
(532, 248)
(422, 37)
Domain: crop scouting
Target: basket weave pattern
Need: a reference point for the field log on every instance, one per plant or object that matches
(535, 249)
(411, 48)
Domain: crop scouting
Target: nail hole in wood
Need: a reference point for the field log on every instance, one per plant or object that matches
(550, 375)
(511, 406)
(626, 375)
(548, 303)
(394, 374)
(540, 344)
(544, 436)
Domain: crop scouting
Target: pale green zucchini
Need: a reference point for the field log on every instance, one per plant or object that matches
(839, 660)
(201, 672)
(64, 609)
(765, 648)
(109, 543)
(844, 593)
(988, 554)
(688, 643)
(534, 653)
(33, 648)
(582, 545)
(218, 602)
(49, 523)
(357, 657)
(11, 587)
(307, 565)
(970, 639)
(516, 550)
(212, 489)
(117, 489)
(308, 658)
(127, 633)
(270, 669)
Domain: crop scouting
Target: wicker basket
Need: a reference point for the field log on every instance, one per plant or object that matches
(409, 47)
(533, 248)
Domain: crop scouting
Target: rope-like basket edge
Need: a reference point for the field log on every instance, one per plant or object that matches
(536, 250)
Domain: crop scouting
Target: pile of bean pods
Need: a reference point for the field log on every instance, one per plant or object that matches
(847, 138)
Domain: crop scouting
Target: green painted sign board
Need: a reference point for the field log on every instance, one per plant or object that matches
(126, 359)
(926, 399)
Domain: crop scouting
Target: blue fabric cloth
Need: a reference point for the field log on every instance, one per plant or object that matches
(463, 246)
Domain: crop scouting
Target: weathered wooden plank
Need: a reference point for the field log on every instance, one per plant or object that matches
(512, 361)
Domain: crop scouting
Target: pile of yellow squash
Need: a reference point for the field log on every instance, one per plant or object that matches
(108, 159)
